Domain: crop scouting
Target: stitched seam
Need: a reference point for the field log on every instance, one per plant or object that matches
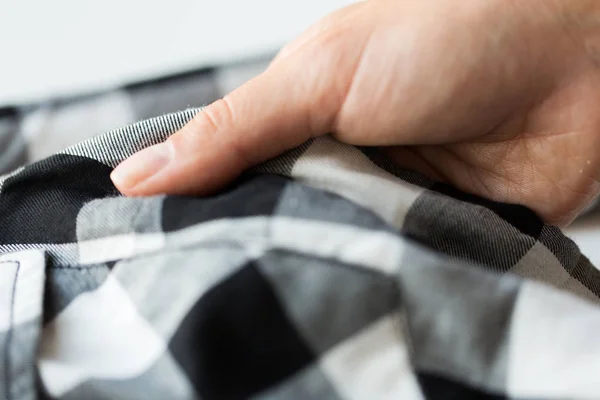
(9, 332)
(80, 268)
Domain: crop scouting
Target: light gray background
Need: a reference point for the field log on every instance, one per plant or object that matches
(62, 46)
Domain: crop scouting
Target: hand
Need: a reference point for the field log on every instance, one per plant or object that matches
(499, 98)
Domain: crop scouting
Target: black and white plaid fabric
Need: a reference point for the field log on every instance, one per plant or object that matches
(326, 273)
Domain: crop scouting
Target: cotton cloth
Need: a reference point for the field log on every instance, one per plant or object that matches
(325, 273)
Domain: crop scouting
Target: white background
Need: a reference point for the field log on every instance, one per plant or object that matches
(53, 47)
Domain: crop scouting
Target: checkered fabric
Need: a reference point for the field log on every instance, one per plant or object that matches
(326, 273)
(31, 132)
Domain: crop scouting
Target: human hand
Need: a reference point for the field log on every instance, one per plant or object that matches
(498, 98)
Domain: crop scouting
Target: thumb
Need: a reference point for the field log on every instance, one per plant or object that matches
(299, 96)
(276, 111)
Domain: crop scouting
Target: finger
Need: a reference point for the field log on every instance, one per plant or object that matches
(297, 97)
(259, 120)
(293, 100)
(332, 21)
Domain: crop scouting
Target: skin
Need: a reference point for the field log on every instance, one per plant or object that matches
(500, 98)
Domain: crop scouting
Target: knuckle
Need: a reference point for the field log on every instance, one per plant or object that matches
(215, 117)
(213, 127)
(204, 127)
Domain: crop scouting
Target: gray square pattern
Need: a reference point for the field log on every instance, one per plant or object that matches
(343, 278)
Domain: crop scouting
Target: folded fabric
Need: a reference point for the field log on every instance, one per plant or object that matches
(31, 132)
(326, 273)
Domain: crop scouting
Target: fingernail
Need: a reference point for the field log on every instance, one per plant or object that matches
(141, 166)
